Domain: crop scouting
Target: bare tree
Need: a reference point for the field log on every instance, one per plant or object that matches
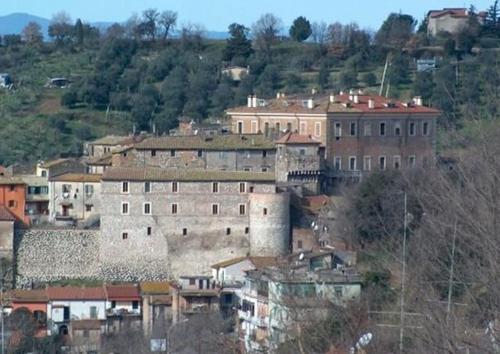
(319, 32)
(266, 31)
(60, 27)
(167, 20)
(32, 33)
(149, 23)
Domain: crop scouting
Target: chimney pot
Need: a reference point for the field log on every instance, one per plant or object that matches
(254, 101)
(332, 98)
(371, 104)
(249, 101)
(355, 99)
(310, 103)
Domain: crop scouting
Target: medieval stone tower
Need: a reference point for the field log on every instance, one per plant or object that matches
(269, 224)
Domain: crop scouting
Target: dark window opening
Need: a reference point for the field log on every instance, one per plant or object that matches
(124, 235)
(228, 231)
(382, 129)
(264, 211)
(247, 230)
(184, 232)
(153, 152)
(149, 230)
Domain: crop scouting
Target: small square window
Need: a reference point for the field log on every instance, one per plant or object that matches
(124, 235)
(12, 187)
(147, 187)
(135, 305)
(247, 230)
(251, 189)
(172, 153)
(184, 232)
(153, 153)
(264, 153)
(88, 208)
(264, 169)
(12, 203)
(125, 187)
(264, 211)
(149, 231)
(299, 244)
(192, 281)
(228, 231)
(200, 153)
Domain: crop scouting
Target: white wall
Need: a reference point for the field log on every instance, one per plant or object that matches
(79, 310)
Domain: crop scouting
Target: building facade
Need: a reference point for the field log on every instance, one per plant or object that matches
(13, 197)
(450, 20)
(228, 152)
(74, 198)
(358, 132)
(184, 221)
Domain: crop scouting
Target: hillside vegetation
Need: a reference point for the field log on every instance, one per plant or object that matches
(138, 76)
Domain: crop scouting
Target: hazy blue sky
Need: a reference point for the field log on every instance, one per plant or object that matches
(218, 14)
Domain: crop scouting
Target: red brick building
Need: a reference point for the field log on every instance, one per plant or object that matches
(358, 132)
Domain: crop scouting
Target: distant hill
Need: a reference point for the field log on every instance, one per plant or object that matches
(14, 24)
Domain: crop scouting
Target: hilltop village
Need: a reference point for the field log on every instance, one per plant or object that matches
(333, 190)
(200, 208)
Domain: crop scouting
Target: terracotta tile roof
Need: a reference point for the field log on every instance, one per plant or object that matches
(76, 293)
(5, 214)
(77, 177)
(113, 140)
(100, 161)
(49, 164)
(159, 174)
(258, 262)
(216, 142)
(11, 180)
(85, 325)
(453, 12)
(123, 292)
(316, 201)
(295, 138)
(341, 104)
(25, 296)
(155, 287)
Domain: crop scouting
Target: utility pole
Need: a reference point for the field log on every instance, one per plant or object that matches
(452, 268)
(403, 275)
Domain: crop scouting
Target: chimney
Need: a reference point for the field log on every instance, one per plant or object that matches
(278, 95)
(254, 101)
(313, 91)
(355, 99)
(332, 98)
(350, 98)
(249, 101)
(341, 93)
(371, 103)
(418, 101)
(351, 92)
(310, 103)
